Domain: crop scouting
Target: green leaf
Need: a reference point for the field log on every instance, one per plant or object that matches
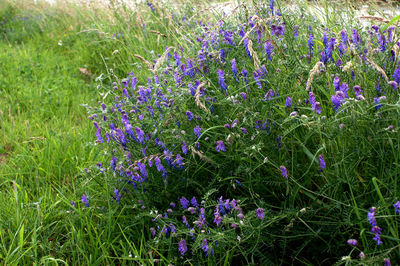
(21, 237)
(393, 20)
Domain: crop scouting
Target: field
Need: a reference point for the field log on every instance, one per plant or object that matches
(191, 133)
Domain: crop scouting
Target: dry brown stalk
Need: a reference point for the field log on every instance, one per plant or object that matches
(374, 18)
(197, 97)
(313, 72)
(158, 9)
(143, 60)
(201, 155)
(256, 61)
(158, 33)
(161, 60)
(85, 71)
(375, 65)
(199, 12)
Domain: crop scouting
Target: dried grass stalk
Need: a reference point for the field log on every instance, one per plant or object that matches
(201, 155)
(85, 71)
(314, 71)
(158, 33)
(161, 60)
(168, 121)
(374, 18)
(396, 49)
(256, 61)
(375, 65)
(197, 97)
(144, 60)
(199, 12)
(158, 9)
(379, 69)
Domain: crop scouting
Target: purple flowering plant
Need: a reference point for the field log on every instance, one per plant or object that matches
(227, 111)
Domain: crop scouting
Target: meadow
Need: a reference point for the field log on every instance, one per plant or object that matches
(193, 133)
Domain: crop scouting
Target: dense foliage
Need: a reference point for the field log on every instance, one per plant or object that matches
(261, 133)
(261, 140)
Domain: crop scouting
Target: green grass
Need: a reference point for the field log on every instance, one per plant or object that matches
(47, 142)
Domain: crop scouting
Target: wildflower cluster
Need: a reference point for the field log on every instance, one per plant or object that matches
(211, 112)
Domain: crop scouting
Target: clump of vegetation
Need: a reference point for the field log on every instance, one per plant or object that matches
(265, 136)
(267, 132)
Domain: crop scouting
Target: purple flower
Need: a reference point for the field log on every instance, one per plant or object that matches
(393, 84)
(382, 42)
(182, 247)
(336, 102)
(246, 80)
(220, 146)
(344, 88)
(246, 46)
(396, 75)
(345, 38)
(355, 37)
(260, 213)
(234, 68)
(283, 171)
(312, 100)
(140, 135)
(244, 131)
(244, 96)
(386, 262)
(352, 242)
(336, 83)
(318, 108)
(184, 203)
(221, 80)
(100, 166)
(357, 90)
(390, 34)
(376, 230)
(296, 31)
(85, 200)
(178, 78)
(397, 207)
(118, 195)
(194, 203)
(321, 161)
(288, 102)
(257, 76)
(197, 131)
(98, 132)
(271, 6)
(153, 231)
(268, 47)
(190, 115)
(159, 166)
(311, 44)
(151, 7)
(217, 217)
(277, 30)
(268, 96)
(204, 246)
(376, 101)
(184, 147)
(113, 163)
(222, 55)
